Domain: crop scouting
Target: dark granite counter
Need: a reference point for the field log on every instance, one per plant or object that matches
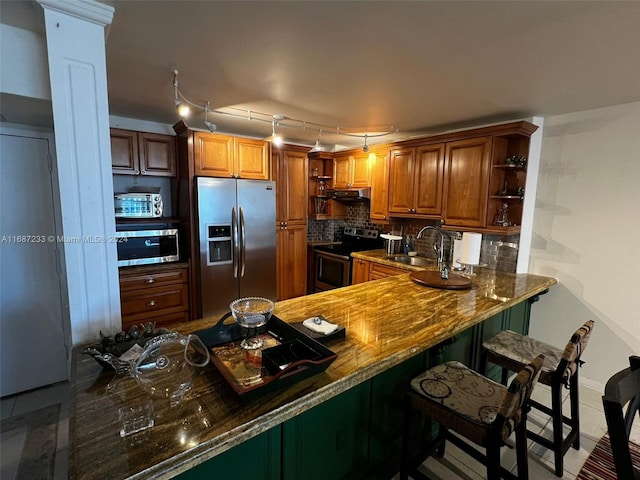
(387, 321)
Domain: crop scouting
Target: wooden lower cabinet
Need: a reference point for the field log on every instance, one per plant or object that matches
(377, 271)
(360, 271)
(291, 261)
(154, 293)
(364, 271)
(357, 434)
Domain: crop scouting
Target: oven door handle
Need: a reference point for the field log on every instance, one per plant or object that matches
(322, 253)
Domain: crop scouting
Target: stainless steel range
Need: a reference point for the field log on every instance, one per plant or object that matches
(333, 262)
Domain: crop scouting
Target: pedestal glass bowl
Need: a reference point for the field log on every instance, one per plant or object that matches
(251, 313)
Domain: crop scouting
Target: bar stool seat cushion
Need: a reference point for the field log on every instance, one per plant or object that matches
(520, 349)
(470, 400)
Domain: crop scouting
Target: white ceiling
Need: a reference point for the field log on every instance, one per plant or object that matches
(420, 66)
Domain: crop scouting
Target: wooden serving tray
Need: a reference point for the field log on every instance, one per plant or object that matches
(430, 278)
(287, 356)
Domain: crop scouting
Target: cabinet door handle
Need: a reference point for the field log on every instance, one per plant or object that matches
(152, 303)
(150, 280)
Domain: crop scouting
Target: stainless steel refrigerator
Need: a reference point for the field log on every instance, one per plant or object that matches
(237, 241)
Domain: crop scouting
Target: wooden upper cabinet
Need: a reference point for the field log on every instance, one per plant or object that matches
(378, 207)
(351, 171)
(341, 171)
(124, 152)
(252, 158)
(416, 181)
(361, 171)
(157, 154)
(401, 165)
(141, 153)
(218, 155)
(290, 174)
(467, 170)
(213, 154)
(428, 179)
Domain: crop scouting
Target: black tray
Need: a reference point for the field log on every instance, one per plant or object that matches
(288, 356)
(320, 337)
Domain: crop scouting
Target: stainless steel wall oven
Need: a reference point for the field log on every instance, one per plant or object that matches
(332, 265)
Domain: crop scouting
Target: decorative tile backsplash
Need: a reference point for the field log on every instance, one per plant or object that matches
(497, 252)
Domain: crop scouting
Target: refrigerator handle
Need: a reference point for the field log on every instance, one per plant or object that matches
(234, 229)
(243, 244)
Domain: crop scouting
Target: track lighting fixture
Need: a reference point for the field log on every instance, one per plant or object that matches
(276, 139)
(183, 105)
(182, 108)
(318, 146)
(210, 126)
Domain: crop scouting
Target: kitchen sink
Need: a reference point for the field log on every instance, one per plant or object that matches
(415, 261)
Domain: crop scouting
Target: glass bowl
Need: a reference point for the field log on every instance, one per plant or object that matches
(251, 313)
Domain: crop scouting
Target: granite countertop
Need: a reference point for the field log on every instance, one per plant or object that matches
(387, 321)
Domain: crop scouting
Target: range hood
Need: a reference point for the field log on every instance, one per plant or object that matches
(348, 195)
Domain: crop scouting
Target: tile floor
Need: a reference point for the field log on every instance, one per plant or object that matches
(12, 442)
(454, 465)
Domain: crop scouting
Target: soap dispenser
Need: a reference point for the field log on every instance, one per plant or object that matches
(409, 245)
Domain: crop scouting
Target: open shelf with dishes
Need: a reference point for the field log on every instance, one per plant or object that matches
(322, 207)
(507, 184)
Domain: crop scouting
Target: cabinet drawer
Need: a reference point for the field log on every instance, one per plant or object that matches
(377, 270)
(159, 320)
(154, 278)
(161, 300)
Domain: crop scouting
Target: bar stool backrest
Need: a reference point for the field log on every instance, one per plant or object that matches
(573, 351)
(520, 389)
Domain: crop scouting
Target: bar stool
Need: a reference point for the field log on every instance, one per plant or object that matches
(511, 351)
(475, 407)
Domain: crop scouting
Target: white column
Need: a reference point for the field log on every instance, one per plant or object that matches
(77, 72)
(529, 203)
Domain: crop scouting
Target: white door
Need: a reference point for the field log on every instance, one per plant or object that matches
(32, 339)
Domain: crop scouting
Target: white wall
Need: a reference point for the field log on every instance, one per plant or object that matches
(24, 69)
(586, 234)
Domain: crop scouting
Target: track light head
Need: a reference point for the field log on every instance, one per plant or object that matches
(365, 147)
(183, 109)
(210, 126)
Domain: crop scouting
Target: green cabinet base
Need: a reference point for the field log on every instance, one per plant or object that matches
(257, 458)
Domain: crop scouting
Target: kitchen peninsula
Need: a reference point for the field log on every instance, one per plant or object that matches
(343, 421)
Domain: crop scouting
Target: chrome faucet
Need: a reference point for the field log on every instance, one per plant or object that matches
(438, 249)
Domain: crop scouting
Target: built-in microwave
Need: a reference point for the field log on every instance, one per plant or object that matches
(144, 247)
(138, 205)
